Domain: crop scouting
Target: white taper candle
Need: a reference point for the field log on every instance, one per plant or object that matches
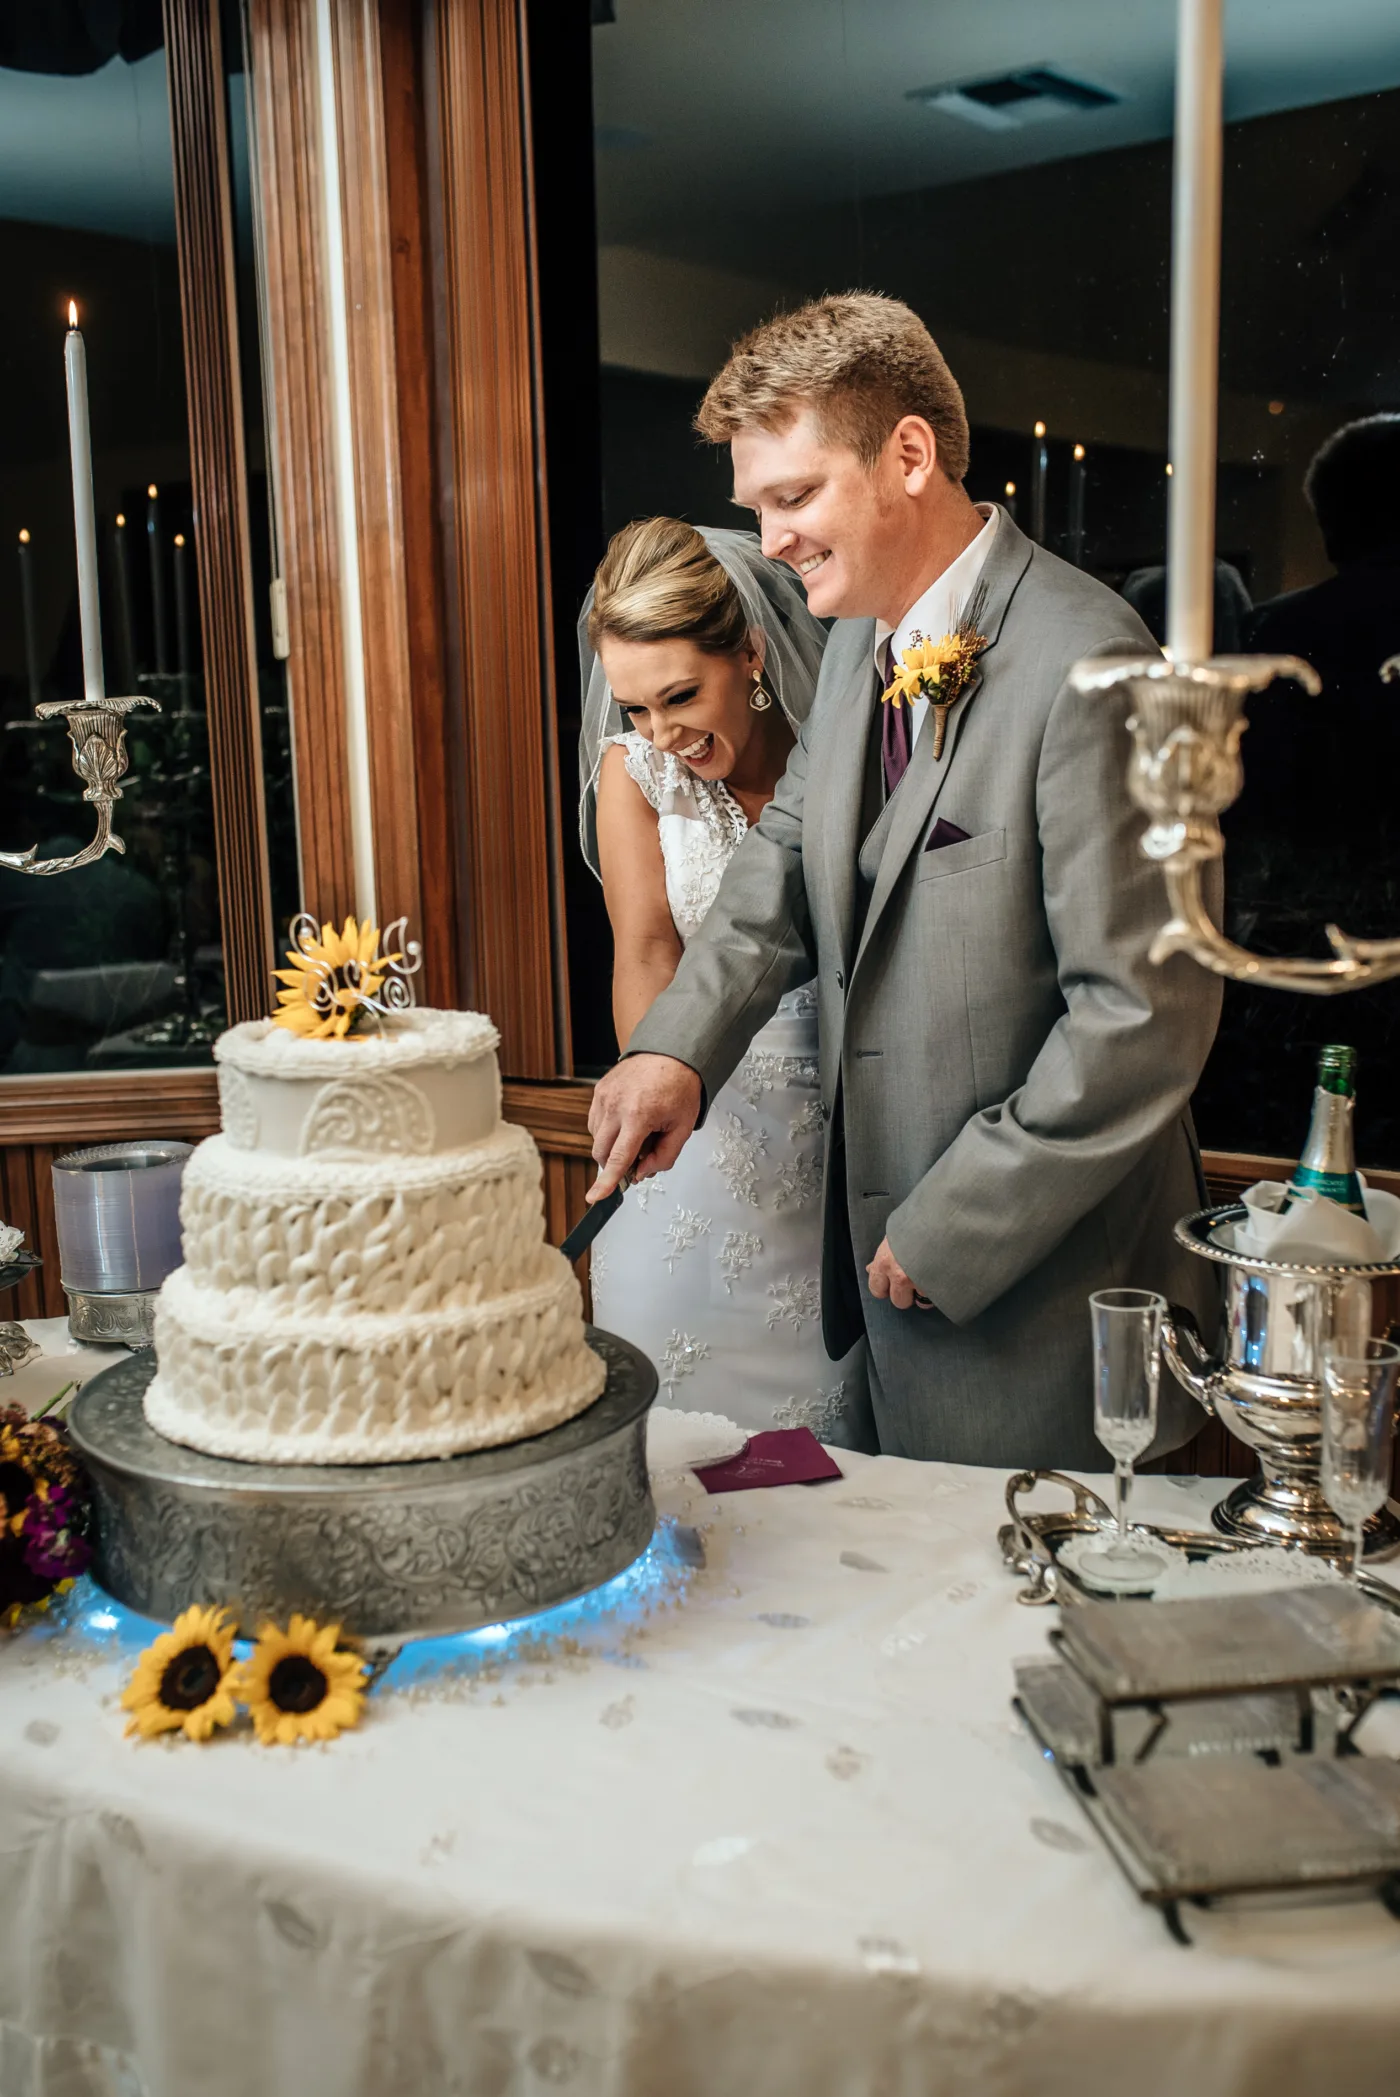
(1195, 344)
(84, 511)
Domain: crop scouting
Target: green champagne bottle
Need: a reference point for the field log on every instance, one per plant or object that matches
(1328, 1163)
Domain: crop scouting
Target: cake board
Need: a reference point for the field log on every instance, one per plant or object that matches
(400, 1550)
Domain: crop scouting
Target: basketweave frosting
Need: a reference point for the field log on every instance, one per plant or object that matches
(366, 1274)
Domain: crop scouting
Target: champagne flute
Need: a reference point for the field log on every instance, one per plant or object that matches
(1127, 1327)
(1358, 1431)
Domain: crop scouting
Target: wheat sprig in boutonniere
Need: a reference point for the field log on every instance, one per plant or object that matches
(940, 671)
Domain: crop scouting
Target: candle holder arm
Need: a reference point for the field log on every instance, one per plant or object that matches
(1186, 721)
(97, 732)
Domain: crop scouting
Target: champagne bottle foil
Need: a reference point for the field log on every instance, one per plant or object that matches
(117, 1212)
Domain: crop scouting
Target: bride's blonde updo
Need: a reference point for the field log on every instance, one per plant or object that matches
(658, 581)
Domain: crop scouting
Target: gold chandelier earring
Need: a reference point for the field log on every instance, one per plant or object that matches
(760, 698)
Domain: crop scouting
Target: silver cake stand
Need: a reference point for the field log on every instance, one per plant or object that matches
(387, 1550)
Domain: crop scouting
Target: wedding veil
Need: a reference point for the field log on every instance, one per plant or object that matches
(790, 637)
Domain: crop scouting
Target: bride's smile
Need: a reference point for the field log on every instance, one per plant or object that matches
(699, 707)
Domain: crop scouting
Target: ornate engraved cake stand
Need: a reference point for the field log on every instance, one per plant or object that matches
(388, 1550)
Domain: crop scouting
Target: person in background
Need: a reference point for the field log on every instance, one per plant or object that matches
(1306, 838)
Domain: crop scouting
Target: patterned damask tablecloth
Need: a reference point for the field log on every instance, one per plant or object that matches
(767, 1826)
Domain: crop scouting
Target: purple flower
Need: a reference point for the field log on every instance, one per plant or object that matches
(53, 1547)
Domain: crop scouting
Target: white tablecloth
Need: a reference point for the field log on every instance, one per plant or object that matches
(775, 1831)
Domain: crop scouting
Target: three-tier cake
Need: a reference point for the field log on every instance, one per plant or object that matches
(366, 1277)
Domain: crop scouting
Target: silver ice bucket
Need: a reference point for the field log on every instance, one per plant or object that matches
(1265, 1382)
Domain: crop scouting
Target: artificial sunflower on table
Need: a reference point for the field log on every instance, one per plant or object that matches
(301, 1684)
(329, 981)
(185, 1679)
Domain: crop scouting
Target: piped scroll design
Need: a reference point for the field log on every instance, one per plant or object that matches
(1184, 772)
(369, 1117)
(97, 731)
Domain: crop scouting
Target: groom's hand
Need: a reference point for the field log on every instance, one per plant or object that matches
(888, 1280)
(642, 1112)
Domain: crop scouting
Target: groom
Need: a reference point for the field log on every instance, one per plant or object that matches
(1004, 1072)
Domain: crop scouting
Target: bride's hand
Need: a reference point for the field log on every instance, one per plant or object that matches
(889, 1280)
(641, 1115)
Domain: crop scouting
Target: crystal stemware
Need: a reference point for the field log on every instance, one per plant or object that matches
(1127, 1326)
(1358, 1431)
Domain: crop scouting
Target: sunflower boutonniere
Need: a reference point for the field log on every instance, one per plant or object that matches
(941, 670)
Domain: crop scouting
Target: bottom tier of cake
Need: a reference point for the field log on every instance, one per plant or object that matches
(273, 1388)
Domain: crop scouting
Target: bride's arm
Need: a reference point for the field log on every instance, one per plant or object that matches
(646, 945)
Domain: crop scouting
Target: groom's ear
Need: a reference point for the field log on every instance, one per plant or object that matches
(913, 450)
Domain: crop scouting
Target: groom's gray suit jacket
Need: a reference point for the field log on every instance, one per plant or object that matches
(1005, 1073)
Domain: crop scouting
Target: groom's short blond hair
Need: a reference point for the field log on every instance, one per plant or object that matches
(860, 361)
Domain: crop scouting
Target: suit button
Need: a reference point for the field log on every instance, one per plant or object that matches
(840, 980)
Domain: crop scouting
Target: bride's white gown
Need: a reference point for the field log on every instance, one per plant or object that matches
(713, 1268)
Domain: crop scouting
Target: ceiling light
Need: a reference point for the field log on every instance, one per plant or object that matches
(1008, 101)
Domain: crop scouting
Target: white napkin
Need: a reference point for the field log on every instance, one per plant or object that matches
(11, 1239)
(1315, 1231)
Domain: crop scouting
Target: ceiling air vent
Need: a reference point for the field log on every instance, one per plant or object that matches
(1009, 100)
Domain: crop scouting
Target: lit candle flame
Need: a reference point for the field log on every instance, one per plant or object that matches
(23, 536)
(1011, 487)
(72, 313)
(179, 538)
(121, 521)
(1169, 469)
(1040, 429)
(153, 491)
(1079, 451)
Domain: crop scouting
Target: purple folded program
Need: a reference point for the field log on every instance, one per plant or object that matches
(944, 833)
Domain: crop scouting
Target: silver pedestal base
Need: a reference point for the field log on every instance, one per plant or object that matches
(387, 1550)
(110, 1318)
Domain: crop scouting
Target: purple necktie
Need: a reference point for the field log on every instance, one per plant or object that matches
(896, 730)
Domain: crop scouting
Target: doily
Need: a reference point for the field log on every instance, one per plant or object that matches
(678, 1441)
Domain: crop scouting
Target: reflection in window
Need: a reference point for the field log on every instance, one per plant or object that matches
(1015, 189)
(120, 964)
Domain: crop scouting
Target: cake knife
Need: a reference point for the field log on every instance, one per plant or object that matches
(584, 1232)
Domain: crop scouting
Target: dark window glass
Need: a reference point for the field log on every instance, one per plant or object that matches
(118, 965)
(1008, 172)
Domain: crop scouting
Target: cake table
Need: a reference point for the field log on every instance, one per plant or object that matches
(775, 1829)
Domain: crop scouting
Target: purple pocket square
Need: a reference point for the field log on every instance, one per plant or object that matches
(944, 833)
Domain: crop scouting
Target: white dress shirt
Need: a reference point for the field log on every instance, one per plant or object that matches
(936, 612)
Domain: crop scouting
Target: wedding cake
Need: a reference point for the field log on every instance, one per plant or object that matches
(366, 1277)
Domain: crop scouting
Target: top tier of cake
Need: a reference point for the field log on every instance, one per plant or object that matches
(428, 1084)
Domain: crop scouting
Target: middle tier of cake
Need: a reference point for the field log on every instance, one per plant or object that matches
(378, 1236)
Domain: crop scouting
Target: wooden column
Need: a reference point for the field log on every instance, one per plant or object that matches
(490, 462)
(204, 234)
(291, 203)
(369, 303)
(410, 262)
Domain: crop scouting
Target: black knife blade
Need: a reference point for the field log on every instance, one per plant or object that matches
(582, 1235)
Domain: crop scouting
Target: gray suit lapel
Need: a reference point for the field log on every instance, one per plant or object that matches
(917, 796)
(845, 742)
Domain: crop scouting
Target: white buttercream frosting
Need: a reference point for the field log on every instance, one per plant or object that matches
(366, 1276)
(265, 1050)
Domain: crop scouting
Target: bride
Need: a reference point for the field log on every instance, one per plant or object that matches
(700, 661)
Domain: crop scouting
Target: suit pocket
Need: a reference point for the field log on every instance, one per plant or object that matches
(981, 850)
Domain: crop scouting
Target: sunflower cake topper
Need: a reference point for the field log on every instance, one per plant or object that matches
(338, 982)
(940, 671)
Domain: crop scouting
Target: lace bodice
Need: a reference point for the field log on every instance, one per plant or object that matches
(700, 822)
